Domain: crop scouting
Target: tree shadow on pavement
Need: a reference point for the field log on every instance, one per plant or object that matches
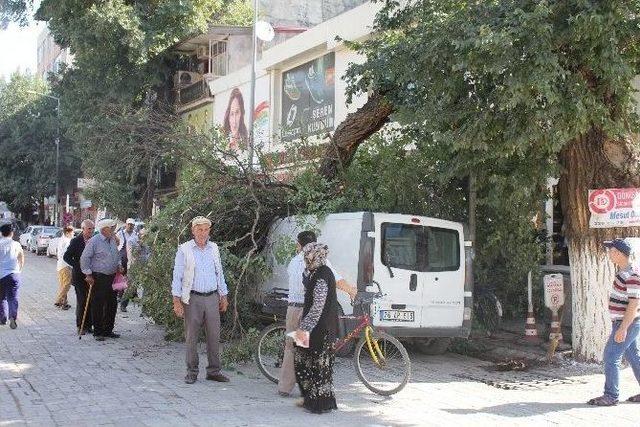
(522, 409)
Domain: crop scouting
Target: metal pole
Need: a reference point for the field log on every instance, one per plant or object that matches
(252, 96)
(57, 206)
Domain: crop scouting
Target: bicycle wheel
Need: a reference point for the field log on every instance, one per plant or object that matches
(270, 351)
(390, 372)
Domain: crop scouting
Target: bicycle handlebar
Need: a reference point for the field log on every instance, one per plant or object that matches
(363, 298)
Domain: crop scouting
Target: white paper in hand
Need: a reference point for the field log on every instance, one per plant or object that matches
(292, 335)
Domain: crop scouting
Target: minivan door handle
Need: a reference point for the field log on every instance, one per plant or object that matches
(413, 282)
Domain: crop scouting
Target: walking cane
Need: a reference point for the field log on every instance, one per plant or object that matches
(84, 316)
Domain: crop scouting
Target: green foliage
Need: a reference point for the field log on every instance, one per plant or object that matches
(122, 60)
(28, 131)
(498, 89)
(241, 209)
(14, 10)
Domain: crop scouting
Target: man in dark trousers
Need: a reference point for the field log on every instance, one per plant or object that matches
(100, 261)
(72, 257)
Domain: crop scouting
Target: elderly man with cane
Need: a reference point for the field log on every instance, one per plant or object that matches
(100, 261)
(72, 257)
(199, 295)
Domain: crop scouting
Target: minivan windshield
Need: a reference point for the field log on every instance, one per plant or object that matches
(420, 248)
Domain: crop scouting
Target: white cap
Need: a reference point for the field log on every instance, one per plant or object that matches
(130, 221)
(104, 223)
(200, 220)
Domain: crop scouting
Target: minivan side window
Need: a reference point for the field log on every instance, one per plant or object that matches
(404, 246)
(419, 248)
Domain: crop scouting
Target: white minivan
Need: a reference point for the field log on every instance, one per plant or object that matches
(422, 265)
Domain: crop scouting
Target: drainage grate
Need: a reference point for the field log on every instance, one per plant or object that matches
(517, 380)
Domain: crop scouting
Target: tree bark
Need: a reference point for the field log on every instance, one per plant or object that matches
(353, 131)
(592, 161)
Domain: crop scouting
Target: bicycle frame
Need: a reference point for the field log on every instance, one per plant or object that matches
(372, 344)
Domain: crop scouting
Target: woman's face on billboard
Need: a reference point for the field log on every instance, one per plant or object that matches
(235, 116)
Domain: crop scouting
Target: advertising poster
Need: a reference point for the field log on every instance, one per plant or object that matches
(232, 114)
(200, 119)
(614, 207)
(308, 98)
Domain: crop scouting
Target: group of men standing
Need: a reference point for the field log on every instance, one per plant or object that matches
(94, 260)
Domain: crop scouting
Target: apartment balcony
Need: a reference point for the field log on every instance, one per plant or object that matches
(190, 96)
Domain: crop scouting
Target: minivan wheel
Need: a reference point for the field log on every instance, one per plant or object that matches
(433, 346)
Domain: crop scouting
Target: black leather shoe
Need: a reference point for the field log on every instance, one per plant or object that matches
(190, 379)
(112, 335)
(99, 337)
(218, 377)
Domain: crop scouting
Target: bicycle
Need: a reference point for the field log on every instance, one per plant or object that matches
(381, 362)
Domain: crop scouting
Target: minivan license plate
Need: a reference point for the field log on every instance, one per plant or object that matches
(397, 315)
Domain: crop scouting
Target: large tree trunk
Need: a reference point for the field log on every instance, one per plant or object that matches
(589, 162)
(353, 131)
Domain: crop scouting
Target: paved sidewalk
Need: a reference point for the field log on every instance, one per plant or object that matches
(49, 377)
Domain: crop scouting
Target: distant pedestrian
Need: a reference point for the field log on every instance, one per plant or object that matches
(318, 330)
(11, 265)
(137, 252)
(624, 308)
(295, 272)
(64, 269)
(124, 236)
(72, 257)
(199, 295)
(100, 261)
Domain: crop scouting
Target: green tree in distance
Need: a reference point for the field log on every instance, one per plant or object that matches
(28, 130)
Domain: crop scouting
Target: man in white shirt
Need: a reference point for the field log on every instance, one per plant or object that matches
(123, 236)
(295, 271)
(64, 269)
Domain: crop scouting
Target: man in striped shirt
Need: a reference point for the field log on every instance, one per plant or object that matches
(624, 304)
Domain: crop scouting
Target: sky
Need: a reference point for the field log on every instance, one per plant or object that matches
(18, 48)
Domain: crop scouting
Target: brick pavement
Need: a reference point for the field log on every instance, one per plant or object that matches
(49, 377)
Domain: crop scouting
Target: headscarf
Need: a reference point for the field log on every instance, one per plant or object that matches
(315, 255)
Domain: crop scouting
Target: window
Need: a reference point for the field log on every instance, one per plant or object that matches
(419, 248)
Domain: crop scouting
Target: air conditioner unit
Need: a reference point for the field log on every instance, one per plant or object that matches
(202, 52)
(185, 78)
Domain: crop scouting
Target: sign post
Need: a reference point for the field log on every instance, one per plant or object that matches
(554, 299)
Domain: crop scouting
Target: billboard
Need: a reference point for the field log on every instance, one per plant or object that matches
(199, 119)
(614, 207)
(231, 114)
(308, 98)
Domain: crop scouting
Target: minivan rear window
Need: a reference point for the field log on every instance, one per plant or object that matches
(420, 248)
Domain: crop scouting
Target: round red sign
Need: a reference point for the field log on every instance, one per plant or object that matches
(601, 201)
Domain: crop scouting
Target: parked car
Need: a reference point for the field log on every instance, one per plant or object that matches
(25, 236)
(421, 263)
(39, 240)
(52, 248)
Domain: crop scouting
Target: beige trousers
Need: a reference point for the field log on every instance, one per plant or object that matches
(202, 311)
(287, 380)
(64, 283)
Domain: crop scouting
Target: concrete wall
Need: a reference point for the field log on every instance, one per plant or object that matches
(303, 14)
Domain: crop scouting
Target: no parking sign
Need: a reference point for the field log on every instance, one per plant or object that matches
(553, 291)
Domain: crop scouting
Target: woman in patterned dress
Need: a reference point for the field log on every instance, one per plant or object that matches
(314, 365)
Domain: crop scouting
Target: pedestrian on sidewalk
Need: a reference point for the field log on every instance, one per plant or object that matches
(295, 272)
(318, 331)
(11, 265)
(123, 237)
(100, 261)
(72, 257)
(624, 309)
(199, 295)
(137, 251)
(64, 269)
